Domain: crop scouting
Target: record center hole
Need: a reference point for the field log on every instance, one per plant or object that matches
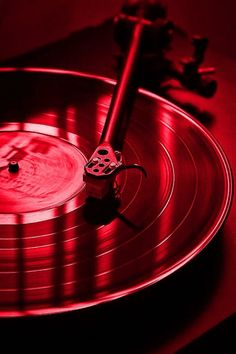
(102, 152)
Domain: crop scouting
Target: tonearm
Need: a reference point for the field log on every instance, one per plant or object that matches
(144, 34)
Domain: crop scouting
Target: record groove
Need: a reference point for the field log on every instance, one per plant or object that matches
(69, 253)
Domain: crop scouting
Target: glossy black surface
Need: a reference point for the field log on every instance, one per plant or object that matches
(56, 259)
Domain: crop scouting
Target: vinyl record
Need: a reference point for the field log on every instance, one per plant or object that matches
(60, 250)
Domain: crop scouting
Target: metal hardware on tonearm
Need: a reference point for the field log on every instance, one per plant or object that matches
(144, 35)
(156, 68)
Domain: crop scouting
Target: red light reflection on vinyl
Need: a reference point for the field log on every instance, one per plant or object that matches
(55, 258)
(104, 260)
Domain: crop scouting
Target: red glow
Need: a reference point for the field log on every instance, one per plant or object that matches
(54, 259)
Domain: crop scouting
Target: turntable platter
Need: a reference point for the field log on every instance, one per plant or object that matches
(57, 251)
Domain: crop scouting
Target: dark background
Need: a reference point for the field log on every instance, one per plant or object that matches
(26, 25)
(192, 311)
